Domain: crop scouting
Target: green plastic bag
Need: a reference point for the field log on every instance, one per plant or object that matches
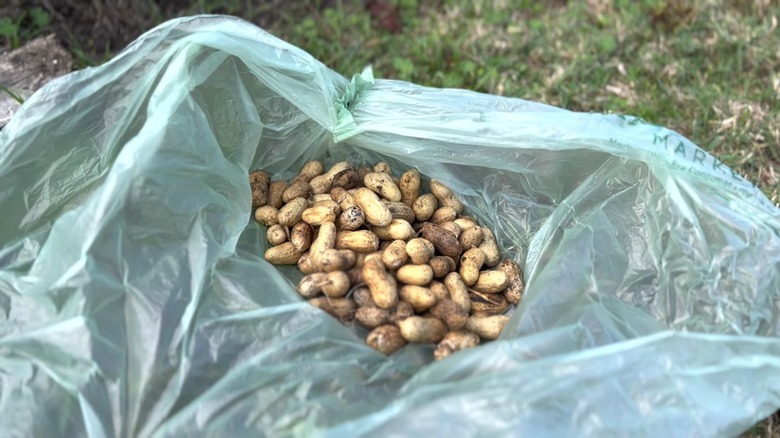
(134, 300)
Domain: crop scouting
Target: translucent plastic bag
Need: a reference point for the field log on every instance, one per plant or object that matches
(134, 300)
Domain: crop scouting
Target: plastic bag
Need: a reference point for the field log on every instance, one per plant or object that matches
(134, 300)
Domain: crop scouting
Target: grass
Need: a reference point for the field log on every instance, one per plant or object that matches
(709, 69)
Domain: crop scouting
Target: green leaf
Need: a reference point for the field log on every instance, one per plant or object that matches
(7, 27)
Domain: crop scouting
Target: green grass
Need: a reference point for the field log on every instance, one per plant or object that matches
(709, 69)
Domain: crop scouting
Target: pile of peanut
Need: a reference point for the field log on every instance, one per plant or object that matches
(375, 250)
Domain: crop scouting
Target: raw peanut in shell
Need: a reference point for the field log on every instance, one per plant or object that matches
(444, 214)
(284, 254)
(513, 292)
(386, 339)
(470, 238)
(445, 196)
(276, 235)
(395, 256)
(398, 229)
(267, 215)
(348, 179)
(311, 285)
(422, 330)
(376, 213)
(275, 191)
(450, 226)
(372, 317)
(383, 167)
(439, 290)
(382, 285)
(465, 223)
(350, 219)
(300, 189)
(322, 197)
(455, 341)
(326, 239)
(301, 236)
(383, 244)
(470, 264)
(458, 290)
(399, 210)
(362, 297)
(258, 182)
(451, 313)
(322, 183)
(305, 264)
(424, 206)
(358, 241)
(336, 284)
(290, 214)
(488, 327)
(421, 298)
(342, 309)
(382, 184)
(363, 171)
(419, 250)
(490, 248)
(491, 282)
(444, 241)
(317, 215)
(492, 304)
(343, 198)
(441, 266)
(409, 184)
(310, 170)
(418, 275)
(337, 260)
(401, 311)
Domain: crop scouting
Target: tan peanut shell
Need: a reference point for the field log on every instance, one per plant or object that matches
(284, 254)
(310, 170)
(267, 215)
(381, 283)
(455, 341)
(326, 239)
(422, 330)
(395, 256)
(445, 242)
(383, 185)
(348, 179)
(490, 304)
(465, 223)
(343, 198)
(419, 250)
(383, 167)
(471, 263)
(424, 206)
(441, 266)
(291, 213)
(445, 196)
(399, 210)
(451, 313)
(301, 236)
(409, 184)
(401, 311)
(376, 213)
(311, 285)
(470, 238)
(300, 189)
(450, 226)
(386, 339)
(358, 241)
(305, 264)
(418, 275)
(372, 317)
(421, 298)
(355, 275)
(336, 284)
(458, 290)
(444, 214)
(337, 260)
(364, 170)
(275, 190)
(491, 282)
(490, 247)
(276, 234)
(339, 308)
(350, 219)
(317, 215)
(439, 290)
(362, 296)
(322, 183)
(397, 229)
(488, 327)
(258, 182)
(513, 292)
(322, 197)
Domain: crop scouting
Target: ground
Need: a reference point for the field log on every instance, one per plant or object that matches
(709, 69)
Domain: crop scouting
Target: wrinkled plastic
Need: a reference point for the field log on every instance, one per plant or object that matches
(134, 300)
